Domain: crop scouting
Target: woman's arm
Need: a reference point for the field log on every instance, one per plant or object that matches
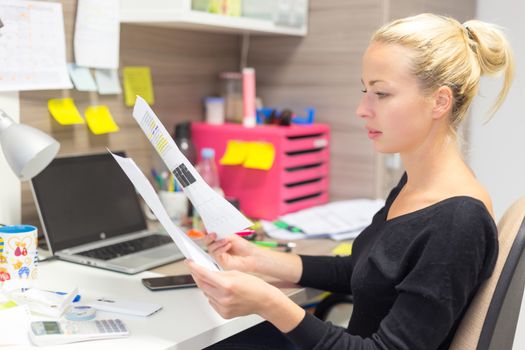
(321, 272)
(236, 253)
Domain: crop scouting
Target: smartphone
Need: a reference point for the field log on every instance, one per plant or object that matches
(169, 282)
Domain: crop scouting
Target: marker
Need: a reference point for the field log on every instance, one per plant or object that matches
(285, 226)
(245, 233)
(271, 244)
(76, 299)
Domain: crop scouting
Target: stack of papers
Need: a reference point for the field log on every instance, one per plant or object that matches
(337, 220)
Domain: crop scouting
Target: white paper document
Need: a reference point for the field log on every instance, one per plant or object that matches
(97, 33)
(337, 220)
(189, 248)
(218, 215)
(32, 46)
(14, 329)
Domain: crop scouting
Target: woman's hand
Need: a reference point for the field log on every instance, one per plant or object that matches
(232, 293)
(233, 252)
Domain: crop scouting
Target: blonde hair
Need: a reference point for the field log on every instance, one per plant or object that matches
(448, 53)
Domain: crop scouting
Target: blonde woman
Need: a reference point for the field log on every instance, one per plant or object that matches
(415, 269)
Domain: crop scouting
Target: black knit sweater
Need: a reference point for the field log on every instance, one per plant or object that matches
(411, 277)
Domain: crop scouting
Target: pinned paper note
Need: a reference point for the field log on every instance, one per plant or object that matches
(81, 77)
(235, 154)
(64, 111)
(252, 155)
(137, 81)
(107, 81)
(260, 156)
(97, 33)
(100, 121)
(32, 46)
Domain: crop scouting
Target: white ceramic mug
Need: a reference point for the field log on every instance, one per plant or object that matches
(175, 203)
(18, 256)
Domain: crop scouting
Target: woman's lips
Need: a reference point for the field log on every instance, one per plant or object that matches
(373, 134)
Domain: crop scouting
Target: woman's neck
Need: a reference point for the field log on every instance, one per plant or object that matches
(433, 165)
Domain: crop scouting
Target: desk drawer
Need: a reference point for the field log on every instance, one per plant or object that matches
(292, 205)
(305, 142)
(304, 188)
(302, 173)
(301, 158)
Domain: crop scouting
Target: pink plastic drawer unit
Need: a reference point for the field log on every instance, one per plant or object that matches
(298, 179)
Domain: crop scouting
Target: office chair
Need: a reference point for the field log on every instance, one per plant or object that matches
(491, 319)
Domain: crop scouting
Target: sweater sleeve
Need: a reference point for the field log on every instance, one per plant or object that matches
(431, 297)
(327, 273)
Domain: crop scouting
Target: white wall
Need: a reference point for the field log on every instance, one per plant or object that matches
(10, 195)
(498, 148)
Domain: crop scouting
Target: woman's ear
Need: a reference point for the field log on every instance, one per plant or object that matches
(443, 100)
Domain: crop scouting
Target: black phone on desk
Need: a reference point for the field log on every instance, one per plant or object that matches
(169, 282)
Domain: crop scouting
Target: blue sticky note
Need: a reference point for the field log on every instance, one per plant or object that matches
(108, 81)
(81, 77)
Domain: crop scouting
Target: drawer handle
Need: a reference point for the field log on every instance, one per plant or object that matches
(304, 136)
(302, 198)
(305, 182)
(303, 167)
(306, 151)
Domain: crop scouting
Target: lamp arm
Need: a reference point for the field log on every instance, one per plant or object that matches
(5, 121)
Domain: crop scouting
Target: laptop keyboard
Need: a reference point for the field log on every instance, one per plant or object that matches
(128, 247)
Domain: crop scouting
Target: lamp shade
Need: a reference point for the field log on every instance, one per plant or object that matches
(27, 150)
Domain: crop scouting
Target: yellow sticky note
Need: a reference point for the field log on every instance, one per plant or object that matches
(137, 81)
(343, 249)
(260, 156)
(100, 121)
(235, 154)
(64, 111)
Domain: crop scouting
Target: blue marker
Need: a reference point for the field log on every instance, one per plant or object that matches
(75, 299)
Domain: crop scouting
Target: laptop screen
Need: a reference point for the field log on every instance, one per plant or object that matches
(83, 199)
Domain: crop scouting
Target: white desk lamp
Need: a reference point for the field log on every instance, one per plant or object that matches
(27, 150)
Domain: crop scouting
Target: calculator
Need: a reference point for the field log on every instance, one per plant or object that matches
(63, 332)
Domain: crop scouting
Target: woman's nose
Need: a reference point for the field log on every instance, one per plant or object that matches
(364, 108)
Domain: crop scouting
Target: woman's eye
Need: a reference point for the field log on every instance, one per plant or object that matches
(381, 94)
(364, 91)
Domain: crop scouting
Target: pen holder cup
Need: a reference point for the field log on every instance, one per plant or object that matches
(175, 203)
(18, 256)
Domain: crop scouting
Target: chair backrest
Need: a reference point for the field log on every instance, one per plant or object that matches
(491, 319)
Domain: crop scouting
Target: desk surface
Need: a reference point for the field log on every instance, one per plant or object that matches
(186, 320)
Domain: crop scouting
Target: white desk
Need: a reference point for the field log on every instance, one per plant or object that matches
(186, 320)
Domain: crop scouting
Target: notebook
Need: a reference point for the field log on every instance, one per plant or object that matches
(90, 214)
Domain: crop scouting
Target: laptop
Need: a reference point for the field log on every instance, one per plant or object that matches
(90, 214)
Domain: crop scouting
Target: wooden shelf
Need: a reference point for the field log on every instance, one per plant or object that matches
(178, 14)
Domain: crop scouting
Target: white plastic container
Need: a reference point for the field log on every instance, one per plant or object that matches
(214, 110)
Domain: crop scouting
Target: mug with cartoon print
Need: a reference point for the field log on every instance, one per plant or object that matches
(18, 256)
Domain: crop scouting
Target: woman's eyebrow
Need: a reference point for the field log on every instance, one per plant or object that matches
(372, 82)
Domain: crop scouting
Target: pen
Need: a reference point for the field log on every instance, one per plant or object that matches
(76, 299)
(285, 226)
(272, 244)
